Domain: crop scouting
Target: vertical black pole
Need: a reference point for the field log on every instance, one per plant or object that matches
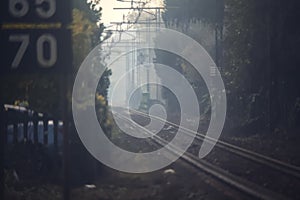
(2, 143)
(217, 35)
(268, 71)
(219, 26)
(25, 129)
(221, 15)
(45, 131)
(66, 160)
(217, 45)
(16, 132)
(65, 81)
(35, 128)
(55, 133)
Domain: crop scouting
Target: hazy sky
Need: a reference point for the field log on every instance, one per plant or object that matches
(110, 15)
(119, 67)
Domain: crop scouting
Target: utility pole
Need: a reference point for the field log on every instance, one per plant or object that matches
(219, 26)
(153, 19)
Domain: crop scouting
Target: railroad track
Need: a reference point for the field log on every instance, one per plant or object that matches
(271, 173)
(245, 153)
(246, 187)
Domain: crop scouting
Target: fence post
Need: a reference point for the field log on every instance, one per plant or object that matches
(45, 131)
(15, 133)
(25, 130)
(35, 121)
(55, 133)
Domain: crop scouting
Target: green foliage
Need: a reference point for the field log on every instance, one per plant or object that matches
(185, 11)
(86, 35)
(39, 92)
(259, 56)
(42, 92)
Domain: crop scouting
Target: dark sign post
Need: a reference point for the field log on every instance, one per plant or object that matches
(2, 137)
(35, 38)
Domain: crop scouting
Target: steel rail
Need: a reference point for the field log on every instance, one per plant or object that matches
(234, 181)
(245, 153)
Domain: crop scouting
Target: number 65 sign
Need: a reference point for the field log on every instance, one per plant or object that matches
(35, 36)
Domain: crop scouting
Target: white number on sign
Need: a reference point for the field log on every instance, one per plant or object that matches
(46, 62)
(24, 39)
(43, 42)
(46, 13)
(19, 8)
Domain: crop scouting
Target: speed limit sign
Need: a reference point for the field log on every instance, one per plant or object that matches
(35, 36)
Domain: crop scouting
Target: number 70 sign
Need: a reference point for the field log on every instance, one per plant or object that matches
(35, 36)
